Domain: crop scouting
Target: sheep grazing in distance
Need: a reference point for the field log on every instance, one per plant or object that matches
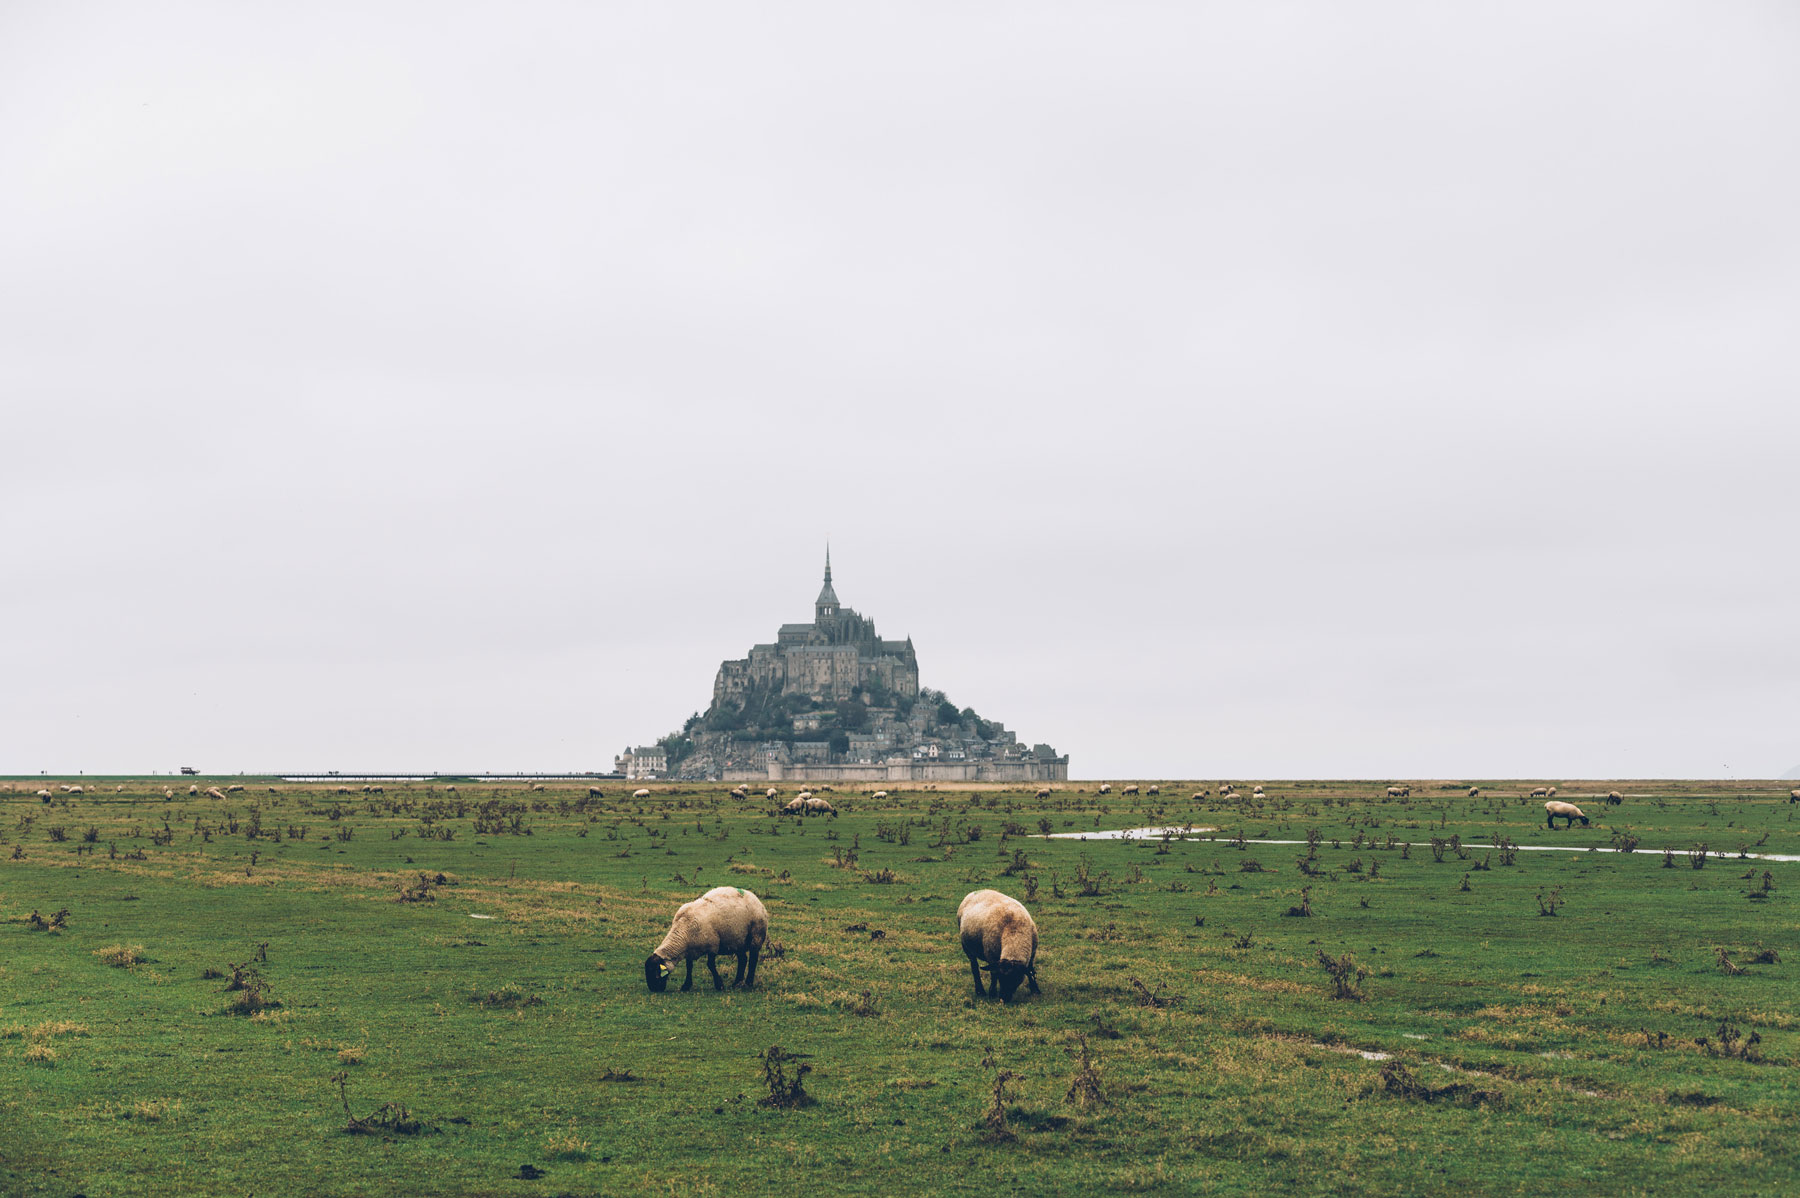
(1043, 792)
(44, 796)
(805, 794)
(536, 786)
(272, 790)
(817, 806)
(1794, 796)
(772, 792)
(167, 793)
(1399, 792)
(1131, 790)
(1258, 790)
(1155, 790)
(1474, 792)
(195, 789)
(1105, 788)
(594, 792)
(723, 921)
(795, 806)
(213, 792)
(450, 789)
(998, 934)
(231, 790)
(76, 790)
(119, 790)
(1540, 792)
(1552, 793)
(1567, 811)
(1614, 798)
(640, 793)
(880, 794)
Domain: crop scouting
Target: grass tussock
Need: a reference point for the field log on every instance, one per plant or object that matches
(122, 956)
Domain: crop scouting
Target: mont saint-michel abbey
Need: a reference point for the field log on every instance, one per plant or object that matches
(831, 701)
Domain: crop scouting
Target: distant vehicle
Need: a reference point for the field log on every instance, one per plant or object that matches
(188, 769)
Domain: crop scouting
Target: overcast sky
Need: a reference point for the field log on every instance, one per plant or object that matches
(1268, 390)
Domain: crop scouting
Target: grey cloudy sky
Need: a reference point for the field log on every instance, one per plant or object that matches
(1237, 390)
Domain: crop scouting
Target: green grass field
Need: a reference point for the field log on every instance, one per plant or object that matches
(476, 959)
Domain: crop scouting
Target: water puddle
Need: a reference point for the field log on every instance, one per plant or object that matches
(1204, 833)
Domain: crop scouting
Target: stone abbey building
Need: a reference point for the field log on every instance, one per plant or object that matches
(831, 701)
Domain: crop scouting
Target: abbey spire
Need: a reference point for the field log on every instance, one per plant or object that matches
(825, 607)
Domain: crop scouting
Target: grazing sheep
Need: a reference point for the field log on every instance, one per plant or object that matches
(343, 790)
(272, 790)
(119, 790)
(537, 786)
(76, 790)
(44, 796)
(794, 806)
(1043, 792)
(1198, 795)
(880, 794)
(231, 790)
(167, 793)
(1258, 790)
(805, 794)
(594, 792)
(1474, 792)
(771, 793)
(1155, 790)
(998, 933)
(1552, 793)
(640, 793)
(1105, 788)
(723, 920)
(213, 792)
(1540, 792)
(1393, 792)
(1794, 796)
(1614, 798)
(1568, 811)
(194, 789)
(816, 806)
(450, 789)
(1131, 790)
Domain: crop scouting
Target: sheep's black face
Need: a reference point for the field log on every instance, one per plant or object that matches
(1007, 977)
(1583, 819)
(656, 974)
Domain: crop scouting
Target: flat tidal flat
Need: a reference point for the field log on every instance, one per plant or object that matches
(293, 991)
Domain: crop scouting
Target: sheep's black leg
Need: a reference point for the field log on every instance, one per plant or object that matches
(975, 971)
(712, 963)
(755, 955)
(689, 984)
(1031, 980)
(738, 979)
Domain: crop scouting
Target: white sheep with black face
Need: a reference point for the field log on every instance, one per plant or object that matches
(771, 793)
(725, 921)
(1540, 792)
(641, 793)
(998, 934)
(1130, 790)
(1043, 792)
(1474, 792)
(818, 806)
(1556, 809)
(1105, 788)
(44, 796)
(1794, 796)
